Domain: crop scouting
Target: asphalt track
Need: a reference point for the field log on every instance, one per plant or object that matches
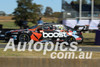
(94, 49)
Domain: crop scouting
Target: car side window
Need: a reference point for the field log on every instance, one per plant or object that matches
(58, 27)
(48, 27)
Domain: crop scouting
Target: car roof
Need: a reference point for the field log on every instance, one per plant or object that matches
(52, 24)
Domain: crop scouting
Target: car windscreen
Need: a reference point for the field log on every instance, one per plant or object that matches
(69, 28)
(58, 27)
(47, 27)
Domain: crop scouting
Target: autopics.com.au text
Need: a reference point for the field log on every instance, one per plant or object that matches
(57, 50)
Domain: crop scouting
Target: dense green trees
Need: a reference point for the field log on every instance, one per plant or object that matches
(48, 12)
(2, 13)
(56, 14)
(27, 11)
(78, 1)
(97, 2)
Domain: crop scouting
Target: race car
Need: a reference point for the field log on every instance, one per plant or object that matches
(38, 32)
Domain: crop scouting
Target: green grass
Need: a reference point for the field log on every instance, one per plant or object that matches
(11, 25)
(25, 53)
(38, 54)
(89, 39)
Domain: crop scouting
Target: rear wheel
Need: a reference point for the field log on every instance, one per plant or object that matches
(81, 40)
(70, 39)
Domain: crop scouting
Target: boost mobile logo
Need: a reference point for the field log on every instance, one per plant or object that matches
(56, 34)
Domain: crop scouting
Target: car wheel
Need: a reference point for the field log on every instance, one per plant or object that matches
(24, 38)
(70, 39)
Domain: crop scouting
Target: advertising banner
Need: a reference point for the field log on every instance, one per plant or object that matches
(83, 22)
(94, 24)
(70, 23)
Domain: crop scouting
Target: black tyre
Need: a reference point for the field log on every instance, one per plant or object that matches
(24, 38)
(81, 40)
(70, 39)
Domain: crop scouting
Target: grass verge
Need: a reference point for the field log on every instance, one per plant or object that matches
(96, 55)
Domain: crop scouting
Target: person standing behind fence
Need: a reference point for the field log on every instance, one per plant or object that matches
(40, 22)
(25, 26)
(20, 23)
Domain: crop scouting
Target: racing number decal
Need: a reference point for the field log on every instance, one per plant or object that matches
(36, 36)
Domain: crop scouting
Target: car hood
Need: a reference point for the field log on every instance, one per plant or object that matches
(18, 30)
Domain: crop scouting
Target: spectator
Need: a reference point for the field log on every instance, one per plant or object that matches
(20, 23)
(25, 24)
(40, 22)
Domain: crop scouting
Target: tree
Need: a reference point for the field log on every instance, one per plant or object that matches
(84, 1)
(56, 14)
(97, 2)
(78, 1)
(36, 12)
(10, 14)
(48, 12)
(26, 10)
(2, 13)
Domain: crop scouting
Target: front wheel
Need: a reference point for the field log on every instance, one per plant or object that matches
(24, 38)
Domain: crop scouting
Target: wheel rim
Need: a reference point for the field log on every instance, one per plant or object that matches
(24, 38)
(71, 39)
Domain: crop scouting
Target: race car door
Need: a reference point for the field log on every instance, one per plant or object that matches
(37, 35)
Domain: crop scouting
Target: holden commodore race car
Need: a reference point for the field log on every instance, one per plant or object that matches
(46, 32)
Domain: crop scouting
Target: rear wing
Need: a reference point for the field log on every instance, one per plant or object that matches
(81, 28)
